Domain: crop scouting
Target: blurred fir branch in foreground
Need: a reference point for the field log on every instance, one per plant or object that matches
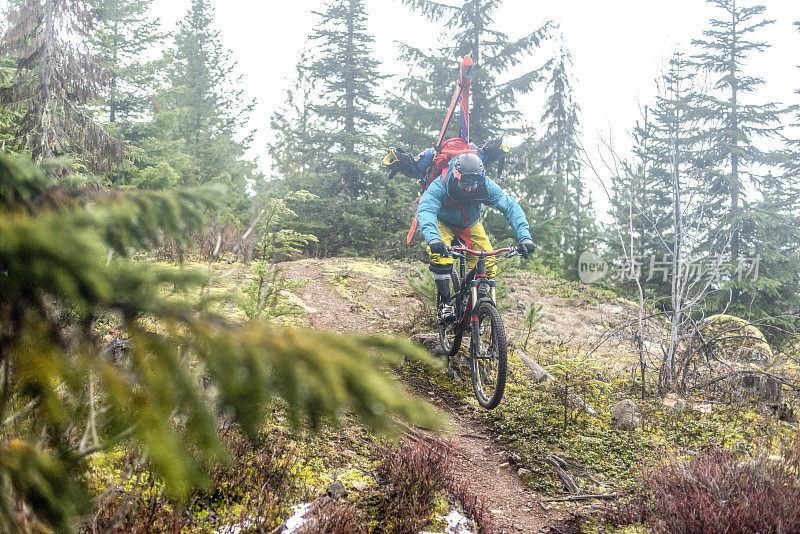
(97, 349)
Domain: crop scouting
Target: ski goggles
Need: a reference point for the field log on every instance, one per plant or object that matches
(469, 178)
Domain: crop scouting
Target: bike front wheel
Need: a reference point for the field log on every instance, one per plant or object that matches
(489, 357)
(450, 333)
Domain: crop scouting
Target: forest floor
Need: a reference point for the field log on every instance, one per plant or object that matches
(361, 296)
(358, 296)
(583, 337)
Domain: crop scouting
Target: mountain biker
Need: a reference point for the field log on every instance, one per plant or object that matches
(453, 206)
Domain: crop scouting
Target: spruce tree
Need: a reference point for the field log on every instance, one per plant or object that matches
(791, 165)
(469, 31)
(565, 202)
(292, 151)
(734, 126)
(57, 78)
(640, 203)
(125, 35)
(357, 209)
(202, 111)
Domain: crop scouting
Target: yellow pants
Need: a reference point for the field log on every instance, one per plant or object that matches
(480, 242)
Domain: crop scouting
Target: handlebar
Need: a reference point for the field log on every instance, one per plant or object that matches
(460, 251)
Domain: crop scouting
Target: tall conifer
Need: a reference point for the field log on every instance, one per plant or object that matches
(125, 39)
(745, 178)
(734, 125)
(204, 110)
(57, 77)
(565, 202)
(469, 30)
(357, 209)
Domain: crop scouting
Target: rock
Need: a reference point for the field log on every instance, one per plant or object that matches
(525, 475)
(291, 298)
(521, 307)
(427, 340)
(702, 407)
(336, 490)
(625, 415)
(611, 308)
(671, 400)
(514, 457)
(360, 485)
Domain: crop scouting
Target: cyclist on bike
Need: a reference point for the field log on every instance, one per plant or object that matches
(452, 206)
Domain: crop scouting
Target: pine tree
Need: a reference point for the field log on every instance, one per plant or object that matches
(469, 31)
(349, 77)
(640, 201)
(357, 209)
(734, 126)
(565, 204)
(791, 165)
(778, 245)
(202, 112)
(292, 151)
(57, 77)
(417, 108)
(125, 35)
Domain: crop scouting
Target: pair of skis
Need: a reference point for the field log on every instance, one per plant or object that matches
(461, 97)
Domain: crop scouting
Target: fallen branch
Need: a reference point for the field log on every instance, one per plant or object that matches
(582, 497)
(540, 375)
(569, 484)
(792, 384)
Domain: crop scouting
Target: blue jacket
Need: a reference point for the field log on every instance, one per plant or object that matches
(440, 202)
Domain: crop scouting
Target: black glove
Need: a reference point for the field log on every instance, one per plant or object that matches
(438, 247)
(493, 150)
(398, 160)
(526, 247)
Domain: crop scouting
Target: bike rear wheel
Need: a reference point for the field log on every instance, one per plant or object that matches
(489, 358)
(450, 333)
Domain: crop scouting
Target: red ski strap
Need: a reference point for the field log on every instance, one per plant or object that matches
(413, 229)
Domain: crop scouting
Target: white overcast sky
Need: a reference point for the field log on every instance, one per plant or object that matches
(618, 48)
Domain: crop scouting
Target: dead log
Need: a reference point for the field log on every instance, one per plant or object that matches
(585, 497)
(569, 484)
(539, 373)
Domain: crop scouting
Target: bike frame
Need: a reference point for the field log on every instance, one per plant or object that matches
(472, 282)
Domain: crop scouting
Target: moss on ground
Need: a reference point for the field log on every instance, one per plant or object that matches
(531, 420)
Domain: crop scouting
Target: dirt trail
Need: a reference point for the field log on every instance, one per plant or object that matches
(385, 307)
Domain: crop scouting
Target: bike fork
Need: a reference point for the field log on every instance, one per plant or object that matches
(475, 324)
(475, 332)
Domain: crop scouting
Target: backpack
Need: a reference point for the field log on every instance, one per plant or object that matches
(450, 149)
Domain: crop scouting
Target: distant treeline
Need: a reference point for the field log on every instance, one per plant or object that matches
(100, 83)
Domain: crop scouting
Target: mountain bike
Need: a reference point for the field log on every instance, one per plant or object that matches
(475, 311)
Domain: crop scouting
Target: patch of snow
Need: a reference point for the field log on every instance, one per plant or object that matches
(236, 528)
(297, 520)
(291, 526)
(457, 523)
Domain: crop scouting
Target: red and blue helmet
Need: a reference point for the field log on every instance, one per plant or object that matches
(468, 169)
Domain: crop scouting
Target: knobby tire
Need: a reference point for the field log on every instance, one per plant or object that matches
(499, 348)
(450, 334)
